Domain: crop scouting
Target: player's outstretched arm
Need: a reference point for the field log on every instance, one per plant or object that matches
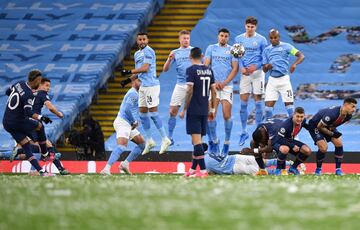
(300, 58)
(212, 102)
(168, 62)
(53, 109)
(189, 94)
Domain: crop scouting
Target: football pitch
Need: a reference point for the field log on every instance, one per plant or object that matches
(173, 202)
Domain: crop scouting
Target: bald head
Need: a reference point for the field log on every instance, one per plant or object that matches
(274, 37)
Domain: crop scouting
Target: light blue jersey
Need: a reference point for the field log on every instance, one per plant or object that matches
(129, 110)
(142, 56)
(182, 62)
(221, 60)
(225, 166)
(254, 47)
(279, 56)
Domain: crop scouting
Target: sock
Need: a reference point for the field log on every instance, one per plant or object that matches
(115, 154)
(145, 122)
(135, 152)
(171, 126)
(30, 157)
(258, 112)
(43, 148)
(260, 162)
(199, 156)
(288, 163)
(201, 163)
(290, 110)
(35, 149)
(281, 160)
(58, 165)
(228, 128)
(271, 171)
(268, 112)
(271, 162)
(156, 119)
(300, 158)
(212, 129)
(244, 115)
(339, 154)
(194, 164)
(320, 156)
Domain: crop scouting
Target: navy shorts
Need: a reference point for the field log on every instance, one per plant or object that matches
(317, 136)
(276, 146)
(19, 130)
(196, 124)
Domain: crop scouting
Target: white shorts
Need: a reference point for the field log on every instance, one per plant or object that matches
(245, 165)
(279, 86)
(255, 81)
(178, 95)
(225, 94)
(149, 96)
(123, 129)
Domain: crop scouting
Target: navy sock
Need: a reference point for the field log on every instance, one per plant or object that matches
(199, 156)
(58, 165)
(281, 160)
(300, 158)
(260, 162)
(201, 163)
(339, 154)
(194, 164)
(30, 157)
(320, 156)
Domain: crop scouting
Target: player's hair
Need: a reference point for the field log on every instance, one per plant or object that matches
(195, 53)
(33, 74)
(45, 79)
(350, 100)
(142, 33)
(257, 135)
(223, 30)
(251, 20)
(182, 32)
(300, 110)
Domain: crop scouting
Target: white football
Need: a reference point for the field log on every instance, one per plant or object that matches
(237, 50)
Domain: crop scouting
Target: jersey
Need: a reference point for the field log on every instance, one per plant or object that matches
(279, 56)
(20, 102)
(224, 166)
(330, 117)
(271, 126)
(201, 77)
(146, 56)
(221, 61)
(288, 130)
(129, 107)
(254, 47)
(182, 62)
(41, 97)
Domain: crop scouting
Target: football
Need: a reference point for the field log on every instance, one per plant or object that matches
(237, 50)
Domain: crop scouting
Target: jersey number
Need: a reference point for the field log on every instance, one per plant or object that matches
(13, 95)
(205, 86)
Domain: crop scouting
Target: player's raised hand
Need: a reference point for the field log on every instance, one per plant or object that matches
(292, 68)
(60, 115)
(182, 114)
(123, 83)
(171, 56)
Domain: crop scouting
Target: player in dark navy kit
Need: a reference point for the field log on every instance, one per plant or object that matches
(19, 118)
(47, 149)
(200, 82)
(284, 143)
(322, 128)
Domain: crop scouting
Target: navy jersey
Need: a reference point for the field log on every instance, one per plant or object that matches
(330, 117)
(41, 97)
(20, 102)
(271, 126)
(288, 130)
(201, 77)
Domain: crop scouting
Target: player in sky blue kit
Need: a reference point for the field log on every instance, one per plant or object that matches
(276, 60)
(149, 92)
(322, 128)
(125, 126)
(284, 142)
(19, 118)
(200, 82)
(179, 57)
(252, 77)
(225, 68)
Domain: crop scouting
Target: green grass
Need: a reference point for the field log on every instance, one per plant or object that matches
(173, 202)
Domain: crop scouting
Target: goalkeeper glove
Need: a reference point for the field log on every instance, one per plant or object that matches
(123, 83)
(45, 119)
(125, 72)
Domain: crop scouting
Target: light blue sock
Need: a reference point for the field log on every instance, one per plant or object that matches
(135, 152)
(171, 126)
(212, 129)
(258, 112)
(288, 163)
(271, 162)
(115, 154)
(244, 115)
(228, 128)
(290, 110)
(271, 171)
(145, 122)
(156, 119)
(268, 112)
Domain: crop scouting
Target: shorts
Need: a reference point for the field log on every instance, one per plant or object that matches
(149, 96)
(245, 165)
(123, 129)
(276, 146)
(225, 94)
(178, 95)
(317, 136)
(279, 86)
(196, 124)
(22, 129)
(254, 81)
